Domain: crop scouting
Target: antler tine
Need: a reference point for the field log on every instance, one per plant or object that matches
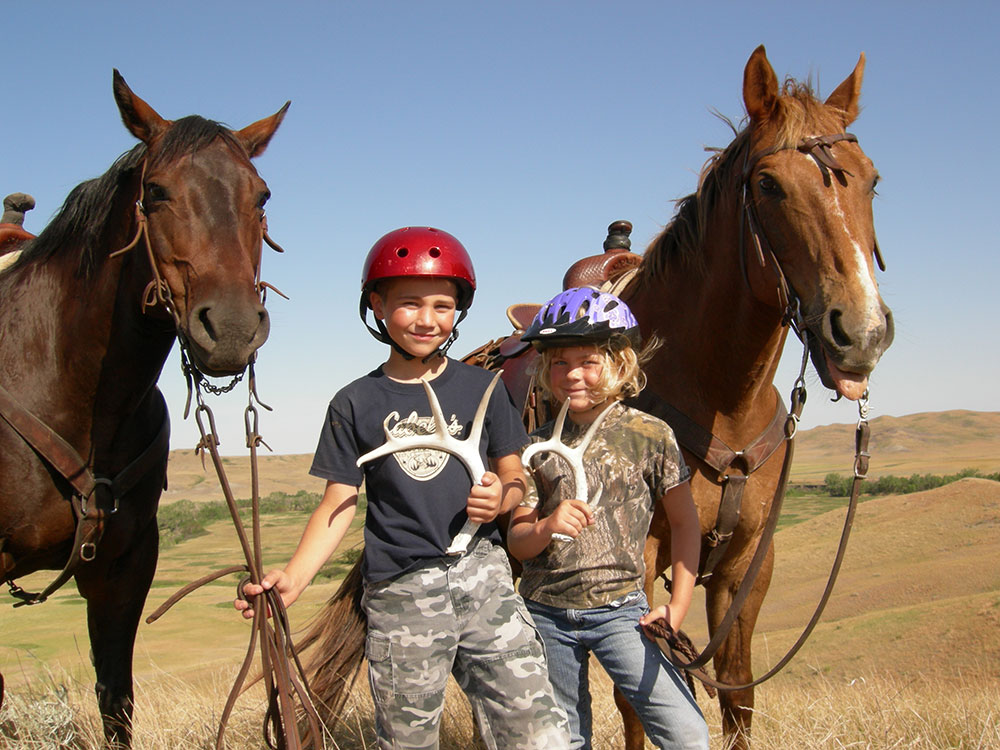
(572, 456)
(474, 464)
(480, 419)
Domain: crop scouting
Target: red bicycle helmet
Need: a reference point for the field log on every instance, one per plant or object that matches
(418, 252)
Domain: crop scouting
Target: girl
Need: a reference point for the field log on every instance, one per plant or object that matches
(586, 595)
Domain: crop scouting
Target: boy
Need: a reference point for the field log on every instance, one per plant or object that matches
(428, 614)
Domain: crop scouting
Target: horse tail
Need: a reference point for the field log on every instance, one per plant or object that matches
(339, 633)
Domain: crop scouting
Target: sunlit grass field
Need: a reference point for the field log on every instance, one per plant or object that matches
(907, 654)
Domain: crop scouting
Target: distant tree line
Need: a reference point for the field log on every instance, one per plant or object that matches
(185, 519)
(837, 485)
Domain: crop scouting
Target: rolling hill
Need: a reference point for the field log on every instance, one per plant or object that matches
(925, 443)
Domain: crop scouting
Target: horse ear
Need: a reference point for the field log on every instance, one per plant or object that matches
(760, 86)
(256, 137)
(845, 96)
(141, 120)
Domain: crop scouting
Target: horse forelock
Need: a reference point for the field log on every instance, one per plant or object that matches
(190, 134)
(798, 114)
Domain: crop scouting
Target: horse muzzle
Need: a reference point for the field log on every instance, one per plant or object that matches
(844, 351)
(222, 336)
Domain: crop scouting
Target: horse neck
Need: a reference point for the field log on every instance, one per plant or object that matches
(97, 369)
(721, 345)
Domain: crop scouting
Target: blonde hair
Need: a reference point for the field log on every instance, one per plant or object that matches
(621, 377)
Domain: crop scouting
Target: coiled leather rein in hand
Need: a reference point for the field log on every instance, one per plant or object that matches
(291, 721)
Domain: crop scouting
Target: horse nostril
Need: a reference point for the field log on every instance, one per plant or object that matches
(840, 336)
(206, 322)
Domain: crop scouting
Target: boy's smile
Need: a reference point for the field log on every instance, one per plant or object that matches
(418, 313)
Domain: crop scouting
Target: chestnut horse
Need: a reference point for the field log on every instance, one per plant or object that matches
(780, 229)
(85, 328)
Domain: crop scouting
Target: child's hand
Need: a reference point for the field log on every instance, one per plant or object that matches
(661, 613)
(485, 498)
(276, 579)
(570, 518)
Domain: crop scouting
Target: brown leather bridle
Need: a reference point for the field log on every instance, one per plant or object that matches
(157, 291)
(819, 148)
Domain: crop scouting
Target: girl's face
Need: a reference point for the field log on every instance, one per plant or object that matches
(573, 374)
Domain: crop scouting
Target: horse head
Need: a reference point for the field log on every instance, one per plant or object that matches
(809, 239)
(201, 207)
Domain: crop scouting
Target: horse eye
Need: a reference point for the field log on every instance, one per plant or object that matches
(768, 184)
(263, 198)
(875, 182)
(156, 193)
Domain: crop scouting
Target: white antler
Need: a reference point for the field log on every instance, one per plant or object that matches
(466, 451)
(572, 456)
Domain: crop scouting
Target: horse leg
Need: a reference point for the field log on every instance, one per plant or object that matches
(115, 595)
(635, 737)
(733, 660)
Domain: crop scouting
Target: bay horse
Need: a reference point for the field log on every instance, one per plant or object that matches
(165, 245)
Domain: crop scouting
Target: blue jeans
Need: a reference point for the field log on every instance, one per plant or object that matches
(657, 691)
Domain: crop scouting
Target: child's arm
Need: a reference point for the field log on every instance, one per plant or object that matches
(685, 549)
(323, 533)
(528, 535)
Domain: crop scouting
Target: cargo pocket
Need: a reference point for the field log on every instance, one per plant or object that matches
(379, 655)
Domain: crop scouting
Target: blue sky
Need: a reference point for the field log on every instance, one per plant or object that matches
(525, 128)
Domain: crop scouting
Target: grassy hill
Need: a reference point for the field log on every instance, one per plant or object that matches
(933, 442)
(918, 600)
(928, 443)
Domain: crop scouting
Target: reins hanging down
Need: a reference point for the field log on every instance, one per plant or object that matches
(682, 659)
(291, 721)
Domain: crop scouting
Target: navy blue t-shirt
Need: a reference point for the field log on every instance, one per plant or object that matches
(416, 498)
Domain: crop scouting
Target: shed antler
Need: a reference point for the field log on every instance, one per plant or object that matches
(466, 451)
(572, 456)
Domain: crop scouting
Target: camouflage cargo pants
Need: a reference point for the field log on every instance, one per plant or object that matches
(459, 616)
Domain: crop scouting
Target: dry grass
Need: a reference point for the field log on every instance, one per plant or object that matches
(906, 656)
(872, 713)
(864, 713)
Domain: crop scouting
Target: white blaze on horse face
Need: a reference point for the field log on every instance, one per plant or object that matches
(866, 286)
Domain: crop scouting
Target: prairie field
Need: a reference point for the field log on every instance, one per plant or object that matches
(907, 654)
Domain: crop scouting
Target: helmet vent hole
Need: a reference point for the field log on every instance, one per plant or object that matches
(434, 252)
(402, 252)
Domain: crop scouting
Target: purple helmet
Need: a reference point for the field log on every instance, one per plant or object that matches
(582, 316)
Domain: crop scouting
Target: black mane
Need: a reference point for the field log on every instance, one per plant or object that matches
(87, 211)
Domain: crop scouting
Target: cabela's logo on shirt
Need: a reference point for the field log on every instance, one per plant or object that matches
(420, 463)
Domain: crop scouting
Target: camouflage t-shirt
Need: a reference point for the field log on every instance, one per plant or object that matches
(633, 460)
